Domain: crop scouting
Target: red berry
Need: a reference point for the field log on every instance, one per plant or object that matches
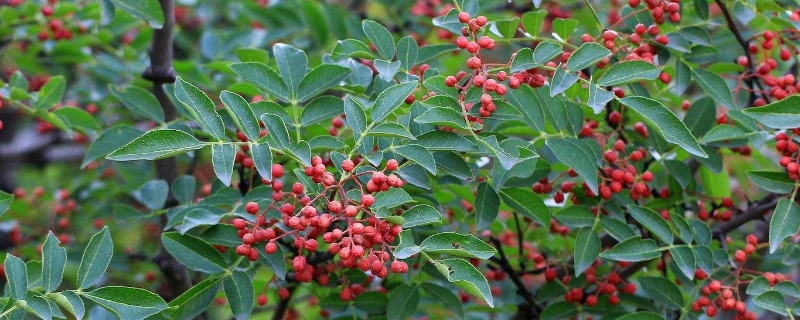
(251, 207)
(464, 17)
(262, 299)
(348, 165)
(277, 171)
(367, 200)
(271, 247)
(391, 165)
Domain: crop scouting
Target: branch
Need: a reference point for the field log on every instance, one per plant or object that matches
(160, 72)
(754, 212)
(746, 47)
(283, 304)
(529, 307)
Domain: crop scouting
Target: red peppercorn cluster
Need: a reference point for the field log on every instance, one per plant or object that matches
(787, 146)
(55, 28)
(348, 228)
(612, 286)
(473, 42)
(661, 9)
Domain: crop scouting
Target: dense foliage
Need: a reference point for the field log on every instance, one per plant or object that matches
(394, 159)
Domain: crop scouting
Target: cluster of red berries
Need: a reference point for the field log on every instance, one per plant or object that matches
(661, 9)
(787, 146)
(471, 42)
(430, 8)
(612, 285)
(55, 27)
(348, 228)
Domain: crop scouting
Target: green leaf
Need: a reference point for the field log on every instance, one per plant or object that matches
(444, 117)
(391, 198)
(532, 21)
(222, 159)
(54, 259)
(252, 55)
(546, 51)
(314, 19)
(446, 297)
(407, 52)
(598, 98)
(666, 122)
(193, 252)
(351, 48)
(139, 101)
(715, 87)
(242, 114)
(264, 77)
(277, 130)
(183, 188)
(321, 78)
(564, 27)
(683, 76)
(588, 54)
(772, 181)
(702, 115)
(373, 302)
(527, 102)
(633, 249)
(380, 37)
(723, 133)
(559, 310)
(95, 259)
(406, 248)
(107, 12)
(17, 276)
(487, 204)
(275, 262)
(69, 301)
(642, 315)
(662, 290)
(149, 10)
(684, 258)
(403, 301)
(355, 116)
(653, 222)
(717, 185)
(523, 60)
(391, 98)
(628, 71)
(784, 223)
(110, 140)
(576, 216)
(782, 114)
(587, 248)
(578, 156)
(262, 158)
(126, 302)
(419, 155)
(292, 64)
(390, 129)
(195, 300)
(240, 293)
(772, 301)
(200, 107)
(154, 193)
(320, 109)
(5, 202)
(77, 119)
(460, 245)
(420, 215)
(562, 80)
(51, 93)
(464, 275)
(527, 203)
(38, 306)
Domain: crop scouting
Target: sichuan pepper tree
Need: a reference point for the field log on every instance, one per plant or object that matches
(386, 159)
